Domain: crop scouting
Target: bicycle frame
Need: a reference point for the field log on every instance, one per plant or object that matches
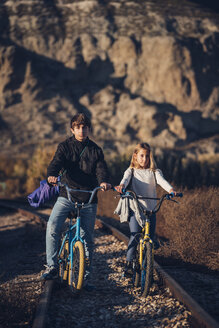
(72, 240)
(145, 238)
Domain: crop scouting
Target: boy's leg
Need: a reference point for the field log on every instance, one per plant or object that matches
(58, 216)
(88, 217)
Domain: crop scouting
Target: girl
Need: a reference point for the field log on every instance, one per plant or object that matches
(142, 177)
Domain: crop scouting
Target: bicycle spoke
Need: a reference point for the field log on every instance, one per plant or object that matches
(147, 270)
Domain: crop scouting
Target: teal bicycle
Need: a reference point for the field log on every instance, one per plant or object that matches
(71, 256)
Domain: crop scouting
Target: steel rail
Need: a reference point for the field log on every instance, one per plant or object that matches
(40, 316)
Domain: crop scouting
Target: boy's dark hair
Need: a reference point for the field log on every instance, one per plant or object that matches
(79, 119)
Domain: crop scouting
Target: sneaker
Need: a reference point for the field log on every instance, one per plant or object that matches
(50, 273)
(128, 270)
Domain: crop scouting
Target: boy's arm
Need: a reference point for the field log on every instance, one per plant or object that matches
(56, 164)
(102, 173)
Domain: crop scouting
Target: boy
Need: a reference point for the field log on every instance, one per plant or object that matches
(84, 168)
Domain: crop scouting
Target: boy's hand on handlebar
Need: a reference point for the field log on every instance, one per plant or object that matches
(119, 188)
(53, 180)
(105, 186)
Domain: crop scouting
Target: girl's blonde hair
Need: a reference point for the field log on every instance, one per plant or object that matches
(134, 164)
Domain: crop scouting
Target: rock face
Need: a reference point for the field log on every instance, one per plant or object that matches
(142, 70)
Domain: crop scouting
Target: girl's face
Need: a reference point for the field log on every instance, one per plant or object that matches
(143, 158)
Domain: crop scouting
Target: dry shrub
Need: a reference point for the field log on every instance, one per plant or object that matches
(12, 188)
(213, 260)
(117, 165)
(37, 167)
(192, 227)
(12, 176)
(189, 173)
(6, 167)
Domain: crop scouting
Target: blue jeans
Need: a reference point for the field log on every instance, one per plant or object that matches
(57, 218)
(135, 230)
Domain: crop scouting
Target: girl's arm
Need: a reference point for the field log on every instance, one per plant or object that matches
(163, 182)
(125, 180)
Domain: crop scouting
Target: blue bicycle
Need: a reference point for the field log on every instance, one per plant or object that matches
(71, 256)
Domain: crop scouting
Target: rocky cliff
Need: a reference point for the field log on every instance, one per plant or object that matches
(143, 70)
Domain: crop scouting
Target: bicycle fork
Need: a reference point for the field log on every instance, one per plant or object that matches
(143, 241)
(76, 238)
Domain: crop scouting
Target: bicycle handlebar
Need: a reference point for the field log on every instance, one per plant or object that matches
(69, 190)
(167, 197)
(128, 193)
(178, 194)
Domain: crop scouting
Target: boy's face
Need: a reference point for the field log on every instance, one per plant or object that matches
(80, 132)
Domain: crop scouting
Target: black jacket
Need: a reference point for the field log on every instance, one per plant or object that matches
(82, 170)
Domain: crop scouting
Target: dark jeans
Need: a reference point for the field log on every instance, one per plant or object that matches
(135, 230)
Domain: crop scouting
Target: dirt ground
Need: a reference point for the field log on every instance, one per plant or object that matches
(22, 255)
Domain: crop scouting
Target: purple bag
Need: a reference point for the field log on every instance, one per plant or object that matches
(42, 194)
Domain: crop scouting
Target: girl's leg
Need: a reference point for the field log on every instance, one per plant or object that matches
(58, 216)
(153, 226)
(135, 230)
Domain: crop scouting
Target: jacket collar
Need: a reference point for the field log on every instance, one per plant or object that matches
(83, 143)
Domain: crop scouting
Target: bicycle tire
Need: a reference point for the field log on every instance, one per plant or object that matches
(147, 270)
(76, 273)
(136, 269)
(63, 262)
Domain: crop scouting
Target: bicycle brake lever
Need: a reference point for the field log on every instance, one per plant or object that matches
(173, 200)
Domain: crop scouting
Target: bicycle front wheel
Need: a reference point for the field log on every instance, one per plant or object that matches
(136, 268)
(147, 270)
(76, 270)
(63, 262)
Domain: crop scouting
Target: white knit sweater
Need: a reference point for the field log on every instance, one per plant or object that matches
(144, 184)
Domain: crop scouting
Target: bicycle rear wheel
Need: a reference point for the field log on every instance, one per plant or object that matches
(147, 270)
(76, 272)
(63, 262)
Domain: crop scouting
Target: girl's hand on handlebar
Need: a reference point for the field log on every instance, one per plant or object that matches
(120, 188)
(105, 186)
(172, 192)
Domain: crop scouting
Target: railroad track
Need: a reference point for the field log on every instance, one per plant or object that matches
(115, 302)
